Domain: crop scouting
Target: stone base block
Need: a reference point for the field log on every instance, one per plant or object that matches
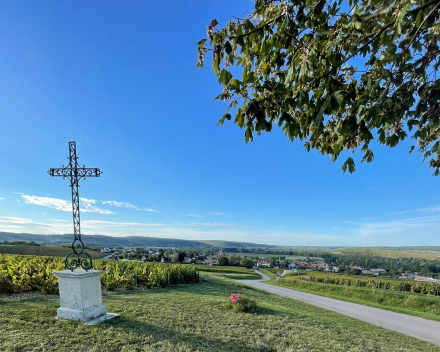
(83, 314)
(81, 297)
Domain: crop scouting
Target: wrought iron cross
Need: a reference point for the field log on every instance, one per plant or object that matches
(74, 172)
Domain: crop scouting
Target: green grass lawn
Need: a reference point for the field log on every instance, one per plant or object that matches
(192, 318)
(271, 272)
(425, 306)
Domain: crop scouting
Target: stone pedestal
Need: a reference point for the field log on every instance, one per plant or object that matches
(81, 297)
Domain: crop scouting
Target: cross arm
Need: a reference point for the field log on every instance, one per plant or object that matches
(80, 172)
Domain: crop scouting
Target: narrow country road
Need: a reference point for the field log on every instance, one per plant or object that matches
(419, 328)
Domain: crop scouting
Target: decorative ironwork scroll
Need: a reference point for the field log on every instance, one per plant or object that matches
(77, 258)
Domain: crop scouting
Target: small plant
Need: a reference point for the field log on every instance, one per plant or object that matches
(239, 303)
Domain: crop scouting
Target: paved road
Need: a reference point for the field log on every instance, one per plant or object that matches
(420, 328)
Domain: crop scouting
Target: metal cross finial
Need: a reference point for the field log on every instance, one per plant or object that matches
(74, 172)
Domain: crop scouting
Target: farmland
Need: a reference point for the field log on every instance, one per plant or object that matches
(388, 253)
(30, 273)
(193, 318)
(225, 269)
(41, 251)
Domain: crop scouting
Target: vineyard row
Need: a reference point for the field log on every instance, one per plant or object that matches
(19, 273)
(427, 288)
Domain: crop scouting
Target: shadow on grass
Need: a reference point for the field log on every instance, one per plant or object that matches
(160, 334)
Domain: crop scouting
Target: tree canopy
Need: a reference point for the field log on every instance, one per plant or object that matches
(334, 74)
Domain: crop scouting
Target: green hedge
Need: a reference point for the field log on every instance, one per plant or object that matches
(19, 273)
(428, 288)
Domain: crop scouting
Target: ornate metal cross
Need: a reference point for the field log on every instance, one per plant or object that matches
(77, 258)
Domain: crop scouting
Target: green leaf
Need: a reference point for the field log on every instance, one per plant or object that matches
(392, 141)
(235, 84)
(339, 97)
(226, 116)
(249, 77)
(239, 118)
(349, 163)
(200, 43)
(320, 115)
(248, 135)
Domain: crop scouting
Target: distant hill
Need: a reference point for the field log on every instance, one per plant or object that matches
(217, 243)
(129, 241)
(41, 250)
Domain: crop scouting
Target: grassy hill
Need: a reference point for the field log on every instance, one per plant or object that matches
(41, 250)
(193, 318)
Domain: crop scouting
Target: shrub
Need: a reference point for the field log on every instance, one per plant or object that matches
(242, 304)
(223, 261)
(247, 263)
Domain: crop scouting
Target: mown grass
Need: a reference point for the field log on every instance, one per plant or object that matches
(42, 251)
(225, 269)
(421, 305)
(235, 276)
(271, 272)
(192, 318)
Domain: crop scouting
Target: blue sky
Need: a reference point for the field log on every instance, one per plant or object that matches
(119, 78)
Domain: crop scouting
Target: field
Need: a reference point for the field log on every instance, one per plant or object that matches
(192, 318)
(425, 306)
(41, 251)
(388, 253)
(225, 269)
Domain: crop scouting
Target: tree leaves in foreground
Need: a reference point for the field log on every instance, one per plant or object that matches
(334, 74)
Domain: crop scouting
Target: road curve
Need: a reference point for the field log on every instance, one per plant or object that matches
(423, 329)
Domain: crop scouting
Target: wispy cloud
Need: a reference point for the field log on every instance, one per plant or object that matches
(217, 213)
(207, 224)
(87, 205)
(103, 224)
(2, 198)
(22, 225)
(412, 230)
(126, 205)
(429, 209)
(195, 215)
